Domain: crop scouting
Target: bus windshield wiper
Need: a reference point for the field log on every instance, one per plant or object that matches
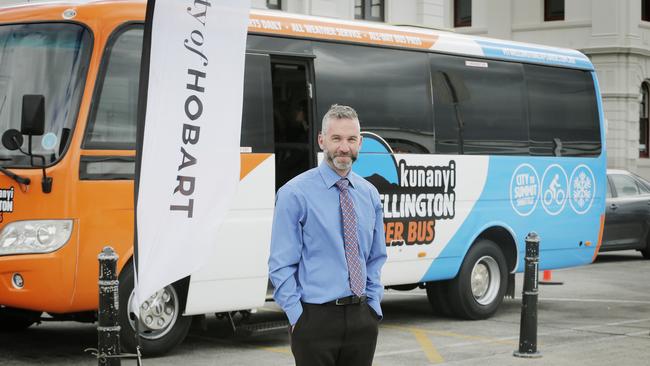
(14, 176)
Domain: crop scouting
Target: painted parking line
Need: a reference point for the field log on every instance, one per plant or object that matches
(541, 298)
(613, 301)
(233, 343)
(429, 349)
(283, 350)
(443, 333)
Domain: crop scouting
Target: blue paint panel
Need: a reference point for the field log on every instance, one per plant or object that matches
(535, 55)
(562, 199)
(563, 234)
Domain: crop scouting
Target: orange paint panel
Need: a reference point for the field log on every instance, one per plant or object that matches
(600, 236)
(341, 32)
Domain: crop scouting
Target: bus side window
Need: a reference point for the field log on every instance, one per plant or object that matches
(257, 122)
(389, 89)
(479, 106)
(562, 105)
(113, 119)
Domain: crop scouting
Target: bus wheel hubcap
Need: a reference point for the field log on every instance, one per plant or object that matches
(485, 280)
(157, 314)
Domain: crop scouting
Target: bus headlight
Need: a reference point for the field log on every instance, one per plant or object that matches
(34, 236)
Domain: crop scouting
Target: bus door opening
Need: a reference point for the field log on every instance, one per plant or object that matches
(292, 119)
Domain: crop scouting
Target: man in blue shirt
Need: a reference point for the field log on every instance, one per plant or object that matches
(327, 250)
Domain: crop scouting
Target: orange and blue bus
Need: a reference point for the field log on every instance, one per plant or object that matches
(471, 142)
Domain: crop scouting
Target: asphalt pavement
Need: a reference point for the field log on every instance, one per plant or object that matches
(599, 315)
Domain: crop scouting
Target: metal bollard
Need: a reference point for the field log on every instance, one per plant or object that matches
(528, 324)
(108, 329)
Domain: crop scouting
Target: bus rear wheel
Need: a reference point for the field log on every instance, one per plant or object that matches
(161, 324)
(478, 290)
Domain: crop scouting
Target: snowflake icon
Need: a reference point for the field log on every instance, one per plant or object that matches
(582, 189)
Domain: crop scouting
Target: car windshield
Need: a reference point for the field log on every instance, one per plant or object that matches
(644, 185)
(49, 59)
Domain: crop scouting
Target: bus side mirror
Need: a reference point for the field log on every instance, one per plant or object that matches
(12, 139)
(33, 117)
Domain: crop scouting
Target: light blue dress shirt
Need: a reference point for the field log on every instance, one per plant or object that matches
(307, 261)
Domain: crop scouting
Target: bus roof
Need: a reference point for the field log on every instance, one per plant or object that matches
(302, 26)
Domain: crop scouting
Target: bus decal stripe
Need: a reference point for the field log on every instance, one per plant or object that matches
(341, 32)
(249, 162)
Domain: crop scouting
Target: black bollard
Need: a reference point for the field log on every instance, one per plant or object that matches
(528, 324)
(108, 329)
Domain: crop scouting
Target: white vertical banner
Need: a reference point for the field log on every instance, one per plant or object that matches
(189, 134)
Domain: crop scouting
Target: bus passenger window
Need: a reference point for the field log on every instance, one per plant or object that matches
(562, 105)
(479, 106)
(388, 88)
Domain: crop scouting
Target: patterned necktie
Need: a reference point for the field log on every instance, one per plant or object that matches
(350, 237)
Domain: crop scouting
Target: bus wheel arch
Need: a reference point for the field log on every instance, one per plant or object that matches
(172, 327)
(478, 289)
(505, 240)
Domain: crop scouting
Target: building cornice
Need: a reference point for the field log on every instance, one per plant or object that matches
(615, 50)
(551, 25)
(530, 27)
(634, 96)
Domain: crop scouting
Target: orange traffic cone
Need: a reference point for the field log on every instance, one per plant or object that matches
(547, 279)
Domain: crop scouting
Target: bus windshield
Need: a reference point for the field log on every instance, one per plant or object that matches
(43, 58)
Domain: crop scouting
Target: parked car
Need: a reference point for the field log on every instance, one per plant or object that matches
(627, 219)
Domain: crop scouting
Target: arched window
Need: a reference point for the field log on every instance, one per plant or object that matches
(644, 105)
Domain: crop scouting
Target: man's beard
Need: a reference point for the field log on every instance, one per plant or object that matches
(338, 164)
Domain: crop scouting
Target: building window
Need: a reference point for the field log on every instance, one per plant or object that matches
(553, 10)
(369, 10)
(645, 10)
(274, 4)
(462, 13)
(644, 107)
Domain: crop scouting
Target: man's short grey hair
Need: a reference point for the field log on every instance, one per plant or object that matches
(338, 112)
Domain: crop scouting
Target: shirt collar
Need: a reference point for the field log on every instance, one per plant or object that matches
(330, 177)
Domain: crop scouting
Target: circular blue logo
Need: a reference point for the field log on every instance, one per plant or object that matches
(554, 189)
(582, 189)
(524, 189)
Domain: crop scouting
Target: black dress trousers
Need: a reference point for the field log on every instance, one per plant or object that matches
(329, 335)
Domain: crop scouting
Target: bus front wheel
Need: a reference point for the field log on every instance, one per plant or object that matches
(478, 289)
(14, 320)
(161, 324)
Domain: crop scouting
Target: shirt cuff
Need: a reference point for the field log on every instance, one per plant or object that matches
(294, 312)
(374, 304)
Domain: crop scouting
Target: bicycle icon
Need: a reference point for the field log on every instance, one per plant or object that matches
(555, 188)
(554, 193)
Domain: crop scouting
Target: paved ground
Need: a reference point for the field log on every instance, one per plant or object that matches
(599, 316)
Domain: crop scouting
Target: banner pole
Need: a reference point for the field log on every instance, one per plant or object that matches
(142, 113)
